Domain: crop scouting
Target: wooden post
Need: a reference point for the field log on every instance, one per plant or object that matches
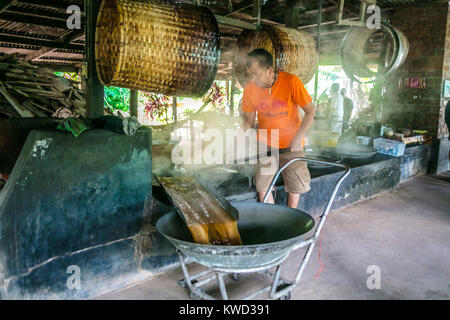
(228, 92)
(319, 22)
(257, 13)
(293, 10)
(94, 89)
(233, 87)
(134, 94)
(174, 109)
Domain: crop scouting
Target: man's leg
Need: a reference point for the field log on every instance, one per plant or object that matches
(269, 199)
(265, 171)
(292, 200)
(296, 178)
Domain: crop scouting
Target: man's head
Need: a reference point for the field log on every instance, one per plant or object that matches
(260, 67)
(343, 91)
(335, 88)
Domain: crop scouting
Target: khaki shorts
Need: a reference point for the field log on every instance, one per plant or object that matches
(296, 176)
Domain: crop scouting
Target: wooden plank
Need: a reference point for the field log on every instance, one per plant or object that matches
(234, 22)
(21, 110)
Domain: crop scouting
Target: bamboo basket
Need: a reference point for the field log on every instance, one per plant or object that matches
(157, 46)
(293, 51)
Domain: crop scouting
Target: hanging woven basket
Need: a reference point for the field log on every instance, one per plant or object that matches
(293, 51)
(157, 46)
(356, 59)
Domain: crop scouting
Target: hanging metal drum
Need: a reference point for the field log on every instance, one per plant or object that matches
(363, 48)
(157, 46)
(293, 51)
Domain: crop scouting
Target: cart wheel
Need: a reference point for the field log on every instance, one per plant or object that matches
(236, 276)
(188, 291)
(285, 297)
(194, 296)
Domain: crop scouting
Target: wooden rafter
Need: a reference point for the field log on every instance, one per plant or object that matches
(29, 19)
(240, 7)
(4, 4)
(47, 4)
(40, 43)
(67, 39)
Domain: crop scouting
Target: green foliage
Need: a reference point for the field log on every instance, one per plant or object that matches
(117, 99)
(69, 75)
(156, 106)
(217, 94)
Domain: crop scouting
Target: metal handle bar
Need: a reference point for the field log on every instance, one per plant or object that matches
(336, 187)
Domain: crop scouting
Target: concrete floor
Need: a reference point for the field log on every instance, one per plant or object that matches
(405, 232)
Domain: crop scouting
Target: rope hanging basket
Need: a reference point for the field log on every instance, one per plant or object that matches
(157, 46)
(293, 51)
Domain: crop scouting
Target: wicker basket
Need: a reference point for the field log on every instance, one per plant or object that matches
(157, 46)
(293, 51)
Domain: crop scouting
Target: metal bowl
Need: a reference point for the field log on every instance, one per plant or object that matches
(355, 151)
(268, 232)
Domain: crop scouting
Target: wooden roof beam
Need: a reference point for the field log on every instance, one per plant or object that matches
(46, 50)
(40, 43)
(15, 17)
(47, 4)
(39, 13)
(241, 7)
(4, 4)
(234, 22)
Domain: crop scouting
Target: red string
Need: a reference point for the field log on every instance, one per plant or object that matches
(322, 266)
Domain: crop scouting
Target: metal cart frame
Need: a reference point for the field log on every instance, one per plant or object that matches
(280, 288)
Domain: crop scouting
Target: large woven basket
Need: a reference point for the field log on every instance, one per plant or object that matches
(293, 51)
(157, 46)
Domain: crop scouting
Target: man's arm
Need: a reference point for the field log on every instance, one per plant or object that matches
(249, 120)
(310, 111)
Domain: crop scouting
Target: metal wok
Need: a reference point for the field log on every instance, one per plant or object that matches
(268, 233)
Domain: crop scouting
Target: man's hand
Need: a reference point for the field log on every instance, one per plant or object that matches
(296, 144)
(310, 111)
(249, 120)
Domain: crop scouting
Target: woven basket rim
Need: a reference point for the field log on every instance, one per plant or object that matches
(121, 40)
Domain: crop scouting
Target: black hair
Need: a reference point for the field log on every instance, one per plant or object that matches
(261, 55)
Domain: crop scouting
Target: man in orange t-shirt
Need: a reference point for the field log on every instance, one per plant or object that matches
(275, 97)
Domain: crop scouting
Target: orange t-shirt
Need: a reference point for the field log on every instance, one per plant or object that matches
(279, 109)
